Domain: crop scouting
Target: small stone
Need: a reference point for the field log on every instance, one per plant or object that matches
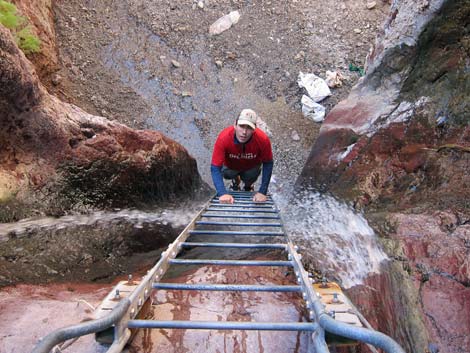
(423, 5)
(300, 55)
(219, 63)
(295, 136)
(371, 5)
(56, 79)
(175, 63)
(186, 94)
(200, 4)
(357, 31)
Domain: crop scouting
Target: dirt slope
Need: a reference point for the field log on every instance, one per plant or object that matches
(116, 60)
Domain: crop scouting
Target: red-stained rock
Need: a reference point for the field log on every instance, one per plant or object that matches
(39, 310)
(357, 113)
(446, 307)
(409, 171)
(442, 247)
(55, 157)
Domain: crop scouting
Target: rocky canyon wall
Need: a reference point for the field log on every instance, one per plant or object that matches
(54, 157)
(399, 148)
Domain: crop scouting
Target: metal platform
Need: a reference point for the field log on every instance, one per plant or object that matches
(242, 225)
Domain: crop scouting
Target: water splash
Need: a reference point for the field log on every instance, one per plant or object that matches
(176, 217)
(332, 236)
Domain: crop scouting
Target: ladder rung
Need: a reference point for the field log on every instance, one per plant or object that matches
(228, 232)
(239, 224)
(234, 245)
(238, 216)
(247, 202)
(226, 287)
(224, 325)
(242, 210)
(242, 193)
(242, 198)
(231, 205)
(228, 262)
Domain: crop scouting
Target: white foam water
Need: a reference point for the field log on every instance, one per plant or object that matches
(332, 235)
(176, 217)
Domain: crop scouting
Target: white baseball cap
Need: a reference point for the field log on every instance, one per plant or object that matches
(247, 117)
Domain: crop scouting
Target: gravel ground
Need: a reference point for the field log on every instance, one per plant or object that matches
(154, 65)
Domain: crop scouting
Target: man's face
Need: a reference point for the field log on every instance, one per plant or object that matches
(243, 132)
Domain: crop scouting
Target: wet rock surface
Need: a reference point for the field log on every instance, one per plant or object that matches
(57, 158)
(87, 248)
(49, 307)
(56, 306)
(397, 148)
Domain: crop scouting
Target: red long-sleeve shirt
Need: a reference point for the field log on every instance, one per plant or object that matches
(241, 156)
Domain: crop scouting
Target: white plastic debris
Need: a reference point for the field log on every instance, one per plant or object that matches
(334, 79)
(316, 87)
(224, 23)
(312, 110)
(343, 155)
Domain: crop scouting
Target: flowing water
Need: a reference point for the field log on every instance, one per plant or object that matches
(331, 235)
(176, 217)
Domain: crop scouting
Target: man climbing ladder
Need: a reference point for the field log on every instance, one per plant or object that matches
(239, 153)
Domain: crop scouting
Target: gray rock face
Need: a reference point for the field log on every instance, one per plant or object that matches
(400, 144)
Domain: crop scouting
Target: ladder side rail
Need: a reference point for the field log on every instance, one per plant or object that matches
(144, 289)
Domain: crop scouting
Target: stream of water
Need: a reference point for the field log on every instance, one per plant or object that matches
(177, 217)
(332, 235)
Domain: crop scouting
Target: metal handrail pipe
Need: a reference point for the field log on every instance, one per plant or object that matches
(224, 325)
(48, 342)
(229, 262)
(375, 338)
(226, 287)
(234, 245)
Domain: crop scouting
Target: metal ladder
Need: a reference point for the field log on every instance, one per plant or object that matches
(118, 314)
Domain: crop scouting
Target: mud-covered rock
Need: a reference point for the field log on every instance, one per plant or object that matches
(54, 157)
(97, 251)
